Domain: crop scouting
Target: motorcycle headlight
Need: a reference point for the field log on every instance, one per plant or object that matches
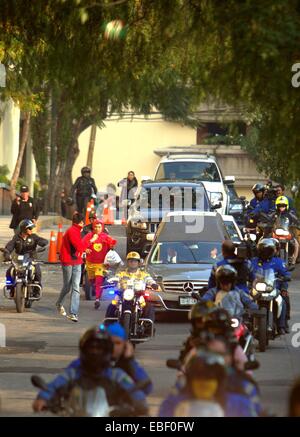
(139, 286)
(261, 287)
(281, 232)
(139, 225)
(128, 294)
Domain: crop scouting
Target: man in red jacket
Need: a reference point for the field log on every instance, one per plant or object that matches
(96, 252)
(71, 252)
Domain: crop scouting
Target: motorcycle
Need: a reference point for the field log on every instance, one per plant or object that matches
(130, 299)
(243, 333)
(281, 231)
(22, 289)
(86, 398)
(270, 302)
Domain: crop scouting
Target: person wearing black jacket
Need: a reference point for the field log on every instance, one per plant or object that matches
(25, 242)
(23, 207)
(83, 188)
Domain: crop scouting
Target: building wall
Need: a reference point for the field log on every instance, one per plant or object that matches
(9, 135)
(128, 145)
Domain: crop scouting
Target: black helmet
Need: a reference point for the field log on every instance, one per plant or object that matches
(266, 248)
(26, 224)
(258, 188)
(220, 321)
(205, 365)
(202, 310)
(226, 274)
(85, 170)
(96, 350)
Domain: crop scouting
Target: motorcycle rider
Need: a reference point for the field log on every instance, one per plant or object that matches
(95, 256)
(83, 188)
(283, 211)
(242, 266)
(266, 260)
(25, 242)
(205, 378)
(259, 203)
(94, 364)
(227, 295)
(279, 192)
(134, 271)
(123, 357)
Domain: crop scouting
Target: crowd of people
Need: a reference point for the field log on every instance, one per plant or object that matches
(212, 378)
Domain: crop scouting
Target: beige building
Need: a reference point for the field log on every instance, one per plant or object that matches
(138, 145)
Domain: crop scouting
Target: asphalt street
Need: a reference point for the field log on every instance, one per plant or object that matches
(40, 341)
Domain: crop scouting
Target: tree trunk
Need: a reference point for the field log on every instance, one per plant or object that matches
(23, 142)
(90, 156)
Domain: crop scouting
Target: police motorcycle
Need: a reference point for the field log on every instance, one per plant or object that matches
(130, 299)
(21, 287)
(285, 238)
(88, 398)
(268, 297)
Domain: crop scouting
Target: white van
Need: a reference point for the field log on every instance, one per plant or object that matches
(196, 167)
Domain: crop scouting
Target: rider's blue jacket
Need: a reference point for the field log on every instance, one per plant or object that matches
(277, 265)
(258, 206)
(232, 260)
(241, 400)
(73, 372)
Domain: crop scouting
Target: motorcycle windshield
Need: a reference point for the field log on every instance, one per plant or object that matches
(282, 223)
(88, 402)
(265, 275)
(22, 260)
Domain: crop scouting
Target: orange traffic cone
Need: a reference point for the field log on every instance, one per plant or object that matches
(105, 214)
(124, 221)
(59, 237)
(87, 213)
(111, 218)
(52, 255)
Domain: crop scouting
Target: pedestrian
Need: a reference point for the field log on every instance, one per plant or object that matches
(63, 204)
(72, 249)
(98, 244)
(23, 207)
(128, 189)
(83, 189)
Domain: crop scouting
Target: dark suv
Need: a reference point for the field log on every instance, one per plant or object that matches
(154, 200)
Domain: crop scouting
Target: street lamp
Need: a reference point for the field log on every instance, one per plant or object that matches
(2, 76)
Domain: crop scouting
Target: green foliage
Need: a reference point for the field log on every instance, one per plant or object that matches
(4, 171)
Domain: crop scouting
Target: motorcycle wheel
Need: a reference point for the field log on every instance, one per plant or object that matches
(88, 290)
(126, 324)
(19, 298)
(262, 333)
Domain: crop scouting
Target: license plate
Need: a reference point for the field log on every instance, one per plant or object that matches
(186, 301)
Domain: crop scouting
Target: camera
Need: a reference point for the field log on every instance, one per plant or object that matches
(270, 192)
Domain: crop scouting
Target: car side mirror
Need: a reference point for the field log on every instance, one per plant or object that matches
(216, 205)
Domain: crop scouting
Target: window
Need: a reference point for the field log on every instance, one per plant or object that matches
(201, 171)
(189, 252)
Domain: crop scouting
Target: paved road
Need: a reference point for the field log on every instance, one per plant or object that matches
(40, 341)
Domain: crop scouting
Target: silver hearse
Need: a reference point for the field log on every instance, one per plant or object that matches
(184, 249)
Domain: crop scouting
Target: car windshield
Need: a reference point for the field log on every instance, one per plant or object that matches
(186, 252)
(201, 171)
(173, 198)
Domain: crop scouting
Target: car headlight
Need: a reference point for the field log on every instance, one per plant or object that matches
(216, 197)
(139, 225)
(128, 294)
